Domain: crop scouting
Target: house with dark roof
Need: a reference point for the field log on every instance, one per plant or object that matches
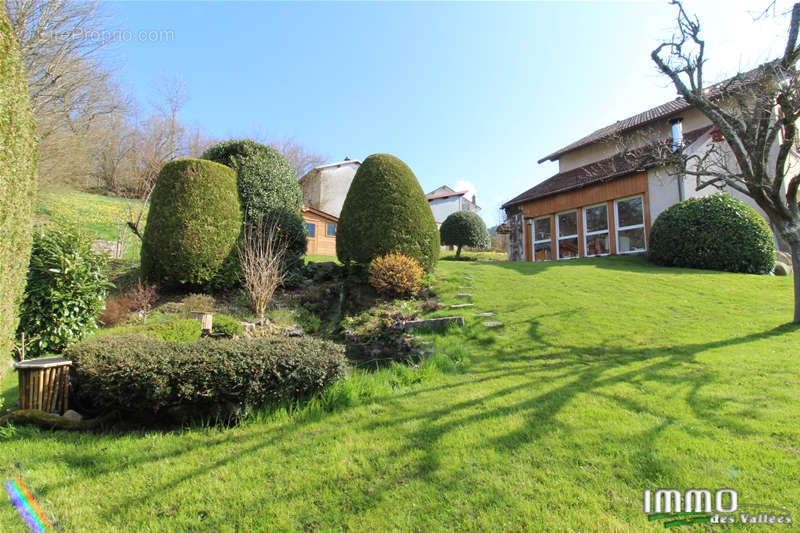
(604, 198)
(444, 201)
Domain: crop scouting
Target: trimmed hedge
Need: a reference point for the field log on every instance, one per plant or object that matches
(464, 228)
(192, 226)
(18, 163)
(386, 211)
(265, 179)
(395, 274)
(716, 232)
(155, 382)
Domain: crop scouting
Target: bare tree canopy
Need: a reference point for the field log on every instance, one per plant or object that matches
(299, 158)
(756, 114)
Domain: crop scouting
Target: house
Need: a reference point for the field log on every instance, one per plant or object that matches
(325, 187)
(321, 228)
(604, 199)
(444, 201)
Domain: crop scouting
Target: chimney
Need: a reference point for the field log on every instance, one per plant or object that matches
(473, 200)
(677, 133)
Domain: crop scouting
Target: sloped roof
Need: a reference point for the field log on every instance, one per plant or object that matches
(445, 195)
(320, 213)
(660, 112)
(597, 172)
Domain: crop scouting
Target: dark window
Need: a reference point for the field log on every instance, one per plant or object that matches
(331, 230)
(311, 228)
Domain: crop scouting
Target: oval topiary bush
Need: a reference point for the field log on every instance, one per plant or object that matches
(716, 232)
(265, 179)
(17, 184)
(464, 228)
(193, 224)
(386, 211)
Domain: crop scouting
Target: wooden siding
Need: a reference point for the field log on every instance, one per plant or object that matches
(321, 243)
(633, 185)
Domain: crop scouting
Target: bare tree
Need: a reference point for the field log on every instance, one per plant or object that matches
(300, 158)
(261, 254)
(756, 114)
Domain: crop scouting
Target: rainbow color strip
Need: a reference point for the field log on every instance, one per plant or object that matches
(26, 506)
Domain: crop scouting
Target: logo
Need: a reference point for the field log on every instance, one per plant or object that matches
(697, 506)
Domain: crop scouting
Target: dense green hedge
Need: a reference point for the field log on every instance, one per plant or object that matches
(386, 211)
(716, 232)
(192, 226)
(65, 291)
(268, 190)
(18, 158)
(464, 228)
(157, 382)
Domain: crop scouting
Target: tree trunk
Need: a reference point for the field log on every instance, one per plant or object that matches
(458, 251)
(795, 247)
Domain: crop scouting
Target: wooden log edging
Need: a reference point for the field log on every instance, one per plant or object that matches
(44, 384)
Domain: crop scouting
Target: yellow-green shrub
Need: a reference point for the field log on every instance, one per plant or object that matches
(395, 274)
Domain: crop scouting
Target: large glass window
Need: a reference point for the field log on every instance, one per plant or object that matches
(595, 226)
(630, 225)
(567, 230)
(331, 230)
(311, 228)
(542, 240)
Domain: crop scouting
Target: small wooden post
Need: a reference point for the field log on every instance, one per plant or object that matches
(206, 321)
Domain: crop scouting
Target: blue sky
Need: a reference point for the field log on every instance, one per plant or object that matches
(462, 92)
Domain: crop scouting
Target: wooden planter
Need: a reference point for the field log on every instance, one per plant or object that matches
(44, 384)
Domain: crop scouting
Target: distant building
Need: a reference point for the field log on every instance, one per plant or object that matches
(325, 187)
(321, 228)
(444, 201)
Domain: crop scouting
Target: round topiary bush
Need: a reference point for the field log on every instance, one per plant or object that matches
(464, 228)
(265, 180)
(395, 274)
(716, 232)
(192, 226)
(386, 211)
(17, 176)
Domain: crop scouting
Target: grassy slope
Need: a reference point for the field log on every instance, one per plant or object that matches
(609, 377)
(100, 216)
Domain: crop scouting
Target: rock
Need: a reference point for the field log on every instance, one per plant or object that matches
(433, 323)
(493, 324)
(463, 295)
(487, 314)
(468, 278)
(464, 288)
(248, 326)
(34, 417)
(461, 306)
(73, 415)
(783, 257)
(782, 269)
(293, 331)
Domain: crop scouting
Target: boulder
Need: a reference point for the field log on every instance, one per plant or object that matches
(73, 415)
(782, 269)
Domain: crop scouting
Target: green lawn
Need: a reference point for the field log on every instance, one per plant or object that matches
(610, 376)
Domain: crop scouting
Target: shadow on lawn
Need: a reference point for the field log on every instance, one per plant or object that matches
(560, 372)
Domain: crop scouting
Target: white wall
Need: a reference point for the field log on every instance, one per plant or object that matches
(325, 189)
(442, 207)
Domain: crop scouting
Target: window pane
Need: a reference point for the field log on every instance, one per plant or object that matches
(597, 244)
(541, 229)
(596, 218)
(568, 248)
(311, 228)
(331, 229)
(568, 224)
(630, 212)
(542, 252)
(630, 240)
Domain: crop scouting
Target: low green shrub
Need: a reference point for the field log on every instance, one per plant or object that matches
(181, 330)
(395, 274)
(198, 303)
(226, 325)
(65, 293)
(716, 232)
(154, 382)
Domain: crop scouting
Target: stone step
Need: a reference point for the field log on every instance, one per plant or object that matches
(468, 278)
(465, 288)
(433, 323)
(463, 295)
(487, 314)
(461, 306)
(493, 324)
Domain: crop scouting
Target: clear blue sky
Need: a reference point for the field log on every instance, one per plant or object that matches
(469, 92)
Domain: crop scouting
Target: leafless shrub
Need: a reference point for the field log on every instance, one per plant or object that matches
(261, 257)
(142, 297)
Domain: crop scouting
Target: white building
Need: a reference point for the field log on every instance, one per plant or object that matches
(325, 187)
(444, 201)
